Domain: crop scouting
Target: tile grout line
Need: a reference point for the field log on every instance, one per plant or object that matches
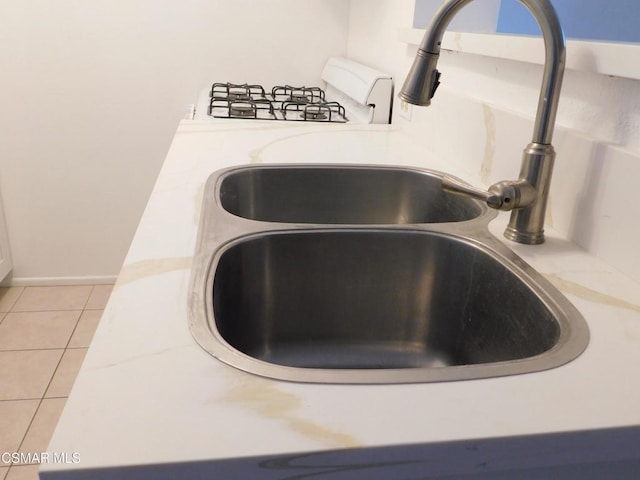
(53, 310)
(17, 299)
(10, 309)
(24, 399)
(81, 309)
(84, 307)
(42, 398)
(64, 350)
(36, 349)
(27, 430)
(80, 312)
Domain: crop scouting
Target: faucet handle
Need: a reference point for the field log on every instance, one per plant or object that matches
(453, 185)
(436, 82)
(505, 195)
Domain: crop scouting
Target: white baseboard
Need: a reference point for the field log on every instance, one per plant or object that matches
(54, 281)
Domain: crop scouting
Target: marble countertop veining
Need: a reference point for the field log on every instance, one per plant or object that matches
(150, 403)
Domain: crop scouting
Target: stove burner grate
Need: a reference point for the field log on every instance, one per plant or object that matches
(318, 112)
(228, 100)
(236, 92)
(288, 93)
(224, 108)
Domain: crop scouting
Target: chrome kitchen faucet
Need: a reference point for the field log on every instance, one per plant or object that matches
(527, 196)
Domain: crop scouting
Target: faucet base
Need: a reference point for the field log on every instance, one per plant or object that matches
(527, 238)
(526, 225)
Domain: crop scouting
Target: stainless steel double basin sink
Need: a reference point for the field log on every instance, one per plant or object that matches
(367, 274)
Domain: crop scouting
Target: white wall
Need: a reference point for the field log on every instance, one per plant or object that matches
(92, 91)
(481, 118)
(373, 36)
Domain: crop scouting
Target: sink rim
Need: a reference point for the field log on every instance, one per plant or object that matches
(572, 341)
(220, 229)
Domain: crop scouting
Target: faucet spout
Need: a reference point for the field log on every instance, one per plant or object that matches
(527, 220)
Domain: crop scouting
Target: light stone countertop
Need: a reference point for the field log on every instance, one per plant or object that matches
(150, 403)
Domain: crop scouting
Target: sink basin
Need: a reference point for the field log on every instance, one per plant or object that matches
(342, 195)
(389, 302)
(379, 306)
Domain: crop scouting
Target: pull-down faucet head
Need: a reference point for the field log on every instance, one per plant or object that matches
(422, 81)
(527, 196)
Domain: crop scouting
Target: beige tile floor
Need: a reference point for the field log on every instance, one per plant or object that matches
(44, 335)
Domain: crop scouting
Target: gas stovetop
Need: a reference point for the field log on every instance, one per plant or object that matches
(245, 101)
(350, 92)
